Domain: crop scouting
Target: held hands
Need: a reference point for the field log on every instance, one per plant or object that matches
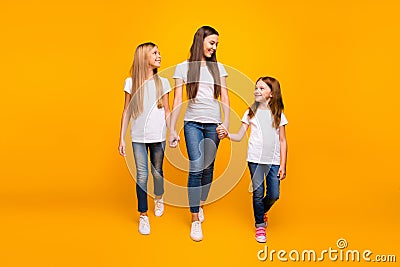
(173, 139)
(222, 131)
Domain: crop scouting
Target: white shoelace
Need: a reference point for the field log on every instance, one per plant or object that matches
(145, 222)
(196, 228)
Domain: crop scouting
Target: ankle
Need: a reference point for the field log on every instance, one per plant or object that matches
(195, 217)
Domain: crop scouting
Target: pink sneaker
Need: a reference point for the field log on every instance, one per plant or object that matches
(261, 236)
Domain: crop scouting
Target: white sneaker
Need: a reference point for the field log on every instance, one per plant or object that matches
(158, 207)
(196, 234)
(144, 225)
(201, 215)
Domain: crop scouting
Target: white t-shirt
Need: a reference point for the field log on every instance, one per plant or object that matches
(205, 108)
(264, 146)
(149, 126)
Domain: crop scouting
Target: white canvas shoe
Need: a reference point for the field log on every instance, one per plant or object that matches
(144, 225)
(195, 232)
(201, 215)
(158, 207)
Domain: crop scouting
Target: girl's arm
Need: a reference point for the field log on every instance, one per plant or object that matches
(237, 137)
(124, 124)
(283, 152)
(167, 111)
(174, 138)
(225, 103)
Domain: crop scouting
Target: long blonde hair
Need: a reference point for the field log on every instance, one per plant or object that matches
(138, 73)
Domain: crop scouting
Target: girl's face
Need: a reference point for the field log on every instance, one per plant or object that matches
(154, 58)
(210, 45)
(262, 92)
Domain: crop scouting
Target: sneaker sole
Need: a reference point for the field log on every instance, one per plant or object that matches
(261, 241)
(144, 233)
(196, 240)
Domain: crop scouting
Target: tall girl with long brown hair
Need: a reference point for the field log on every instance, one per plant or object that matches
(267, 149)
(146, 102)
(205, 81)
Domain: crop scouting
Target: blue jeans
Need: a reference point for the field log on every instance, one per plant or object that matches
(262, 203)
(201, 144)
(140, 151)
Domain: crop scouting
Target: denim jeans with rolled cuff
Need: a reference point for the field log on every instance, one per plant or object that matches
(140, 152)
(201, 143)
(262, 174)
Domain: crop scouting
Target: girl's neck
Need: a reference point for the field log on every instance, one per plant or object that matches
(203, 61)
(263, 105)
(149, 74)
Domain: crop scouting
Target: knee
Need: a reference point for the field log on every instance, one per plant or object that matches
(272, 198)
(142, 178)
(209, 169)
(157, 173)
(258, 194)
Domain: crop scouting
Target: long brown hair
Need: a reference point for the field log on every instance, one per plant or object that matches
(138, 73)
(275, 103)
(196, 54)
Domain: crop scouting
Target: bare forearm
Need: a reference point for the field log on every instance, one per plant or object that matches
(283, 153)
(226, 110)
(175, 114)
(124, 123)
(168, 120)
(235, 137)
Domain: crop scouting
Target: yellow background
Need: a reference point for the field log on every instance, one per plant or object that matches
(67, 197)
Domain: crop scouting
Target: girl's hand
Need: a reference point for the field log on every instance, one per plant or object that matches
(222, 132)
(282, 173)
(121, 148)
(173, 139)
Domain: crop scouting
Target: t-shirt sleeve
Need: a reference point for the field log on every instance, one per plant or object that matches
(245, 117)
(222, 71)
(181, 71)
(128, 85)
(283, 120)
(166, 86)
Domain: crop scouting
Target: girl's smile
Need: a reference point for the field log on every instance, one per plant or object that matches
(262, 92)
(210, 45)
